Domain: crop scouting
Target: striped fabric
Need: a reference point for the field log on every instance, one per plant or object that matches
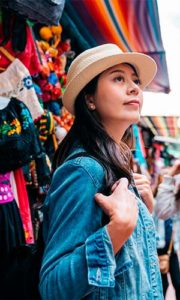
(163, 126)
(132, 24)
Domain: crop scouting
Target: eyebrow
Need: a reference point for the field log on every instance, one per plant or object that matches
(120, 71)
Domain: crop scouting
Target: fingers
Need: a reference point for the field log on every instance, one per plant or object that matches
(144, 190)
(120, 199)
(147, 196)
(149, 202)
(124, 182)
(140, 179)
(122, 185)
(103, 202)
(115, 185)
(99, 197)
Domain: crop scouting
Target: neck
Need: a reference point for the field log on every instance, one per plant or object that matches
(116, 130)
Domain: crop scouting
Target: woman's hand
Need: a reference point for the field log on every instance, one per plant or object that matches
(144, 189)
(121, 207)
(175, 169)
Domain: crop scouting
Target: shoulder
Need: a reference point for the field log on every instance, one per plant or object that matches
(90, 164)
(82, 168)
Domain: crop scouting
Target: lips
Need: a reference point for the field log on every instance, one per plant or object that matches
(132, 102)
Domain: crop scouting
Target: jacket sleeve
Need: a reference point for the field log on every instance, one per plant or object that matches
(78, 255)
(165, 200)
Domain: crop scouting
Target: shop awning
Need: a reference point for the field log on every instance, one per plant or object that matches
(133, 25)
(166, 126)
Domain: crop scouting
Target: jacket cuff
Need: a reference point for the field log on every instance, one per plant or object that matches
(100, 258)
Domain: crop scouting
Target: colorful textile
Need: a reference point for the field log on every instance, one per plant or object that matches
(28, 57)
(16, 81)
(11, 233)
(6, 194)
(45, 125)
(19, 142)
(24, 206)
(133, 25)
(14, 187)
(162, 125)
(139, 149)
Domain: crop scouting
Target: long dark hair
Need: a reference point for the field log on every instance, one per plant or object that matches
(89, 131)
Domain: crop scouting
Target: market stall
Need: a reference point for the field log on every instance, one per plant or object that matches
(38, 41)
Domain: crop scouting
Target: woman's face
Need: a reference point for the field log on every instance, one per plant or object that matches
(118, 96)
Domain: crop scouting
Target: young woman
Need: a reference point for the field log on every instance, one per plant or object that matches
(168, 202)
(99, 235)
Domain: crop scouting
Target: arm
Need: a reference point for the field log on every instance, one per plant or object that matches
(121, 207)
(80, 253)
(165, 200)
(144, 188)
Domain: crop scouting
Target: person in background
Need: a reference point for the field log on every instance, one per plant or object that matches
(99, 234)
(167, 210)
(168, 197)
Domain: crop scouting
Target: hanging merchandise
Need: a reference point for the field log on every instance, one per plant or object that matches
(11, 230)
(13, 27)
(16, 81)
(20, 148)
(65, 120)
(45, 126)
(51, 89)
(45, 12)
(56, 54)
(17, 40)
(19, 143)
(24, 206)
(60, 133)
(51, 80)
(53, 55)
(139, 147)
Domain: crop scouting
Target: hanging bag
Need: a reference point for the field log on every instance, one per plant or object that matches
(164, 260)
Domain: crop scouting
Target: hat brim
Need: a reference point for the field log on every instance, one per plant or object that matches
(144, 65)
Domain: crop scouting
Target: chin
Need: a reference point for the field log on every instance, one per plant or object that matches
(134, 119)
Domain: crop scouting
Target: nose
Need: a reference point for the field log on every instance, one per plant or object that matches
(133, 88)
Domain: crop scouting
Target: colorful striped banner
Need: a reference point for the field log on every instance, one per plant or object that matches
(132, 24)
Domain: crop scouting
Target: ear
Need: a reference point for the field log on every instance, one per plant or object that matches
(90, 102)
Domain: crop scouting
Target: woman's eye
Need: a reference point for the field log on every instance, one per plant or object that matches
(137, 81)
(119, 78)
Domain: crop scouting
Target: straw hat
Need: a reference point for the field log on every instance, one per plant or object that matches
(98, 59)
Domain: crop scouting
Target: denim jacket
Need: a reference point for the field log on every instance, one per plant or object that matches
(78, 261)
